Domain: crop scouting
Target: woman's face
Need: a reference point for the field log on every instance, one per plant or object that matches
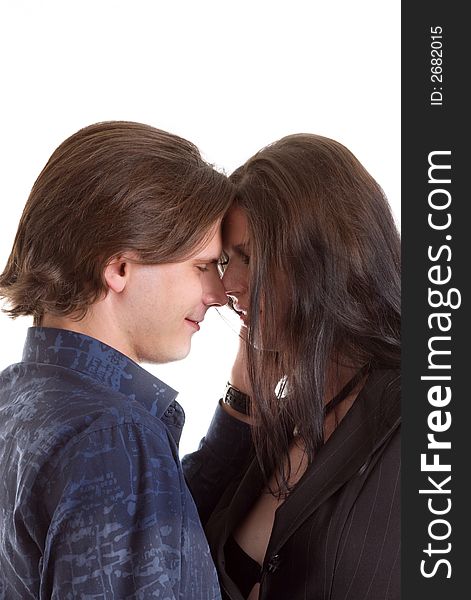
(235, 242)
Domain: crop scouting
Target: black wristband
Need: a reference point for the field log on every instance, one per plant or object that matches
(236, 399)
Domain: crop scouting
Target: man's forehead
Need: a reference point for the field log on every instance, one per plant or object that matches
(212, 250)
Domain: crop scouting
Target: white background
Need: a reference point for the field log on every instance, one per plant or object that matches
(231, 76)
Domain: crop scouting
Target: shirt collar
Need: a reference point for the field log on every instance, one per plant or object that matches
(103, 363)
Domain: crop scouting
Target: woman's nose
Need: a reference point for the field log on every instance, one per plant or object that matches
(234, 283)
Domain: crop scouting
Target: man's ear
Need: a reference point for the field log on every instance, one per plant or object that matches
(116, 274)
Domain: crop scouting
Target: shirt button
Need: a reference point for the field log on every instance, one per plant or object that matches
(170, 410)
(273, 563)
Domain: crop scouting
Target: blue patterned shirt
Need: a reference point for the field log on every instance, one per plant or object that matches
(93, 503)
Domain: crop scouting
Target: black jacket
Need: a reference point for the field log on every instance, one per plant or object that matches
(337, 536)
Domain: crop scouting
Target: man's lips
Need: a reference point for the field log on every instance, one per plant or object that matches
(194, 323)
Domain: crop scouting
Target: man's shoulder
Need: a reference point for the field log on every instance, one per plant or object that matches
(44, 387)
(49, 407)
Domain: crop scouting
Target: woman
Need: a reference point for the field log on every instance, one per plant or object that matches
(313, 268)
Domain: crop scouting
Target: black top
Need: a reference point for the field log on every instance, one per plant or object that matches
(241, 568)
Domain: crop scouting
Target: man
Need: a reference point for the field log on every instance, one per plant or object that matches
(116, 260)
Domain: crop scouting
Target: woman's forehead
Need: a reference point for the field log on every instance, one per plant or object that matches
(235, 227)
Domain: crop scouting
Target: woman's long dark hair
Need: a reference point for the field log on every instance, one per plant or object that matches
(324, 284)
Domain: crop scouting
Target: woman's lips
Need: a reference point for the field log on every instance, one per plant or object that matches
(242, 313)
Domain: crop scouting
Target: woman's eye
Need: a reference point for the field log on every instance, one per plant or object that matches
(222, 264)
(202, 268)
(245, 259)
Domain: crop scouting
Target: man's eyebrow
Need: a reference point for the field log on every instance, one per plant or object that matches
(207, 259)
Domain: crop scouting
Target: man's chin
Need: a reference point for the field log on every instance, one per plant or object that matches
(181, 355)
(169, 356)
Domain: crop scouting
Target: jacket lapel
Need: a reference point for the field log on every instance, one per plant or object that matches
(366, 427)
(244, 497)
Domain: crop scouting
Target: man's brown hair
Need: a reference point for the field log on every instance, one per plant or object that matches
(111, 187)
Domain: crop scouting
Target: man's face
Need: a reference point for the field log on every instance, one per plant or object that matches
(164, 304)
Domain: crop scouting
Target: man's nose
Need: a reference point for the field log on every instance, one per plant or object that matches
(215, 295)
